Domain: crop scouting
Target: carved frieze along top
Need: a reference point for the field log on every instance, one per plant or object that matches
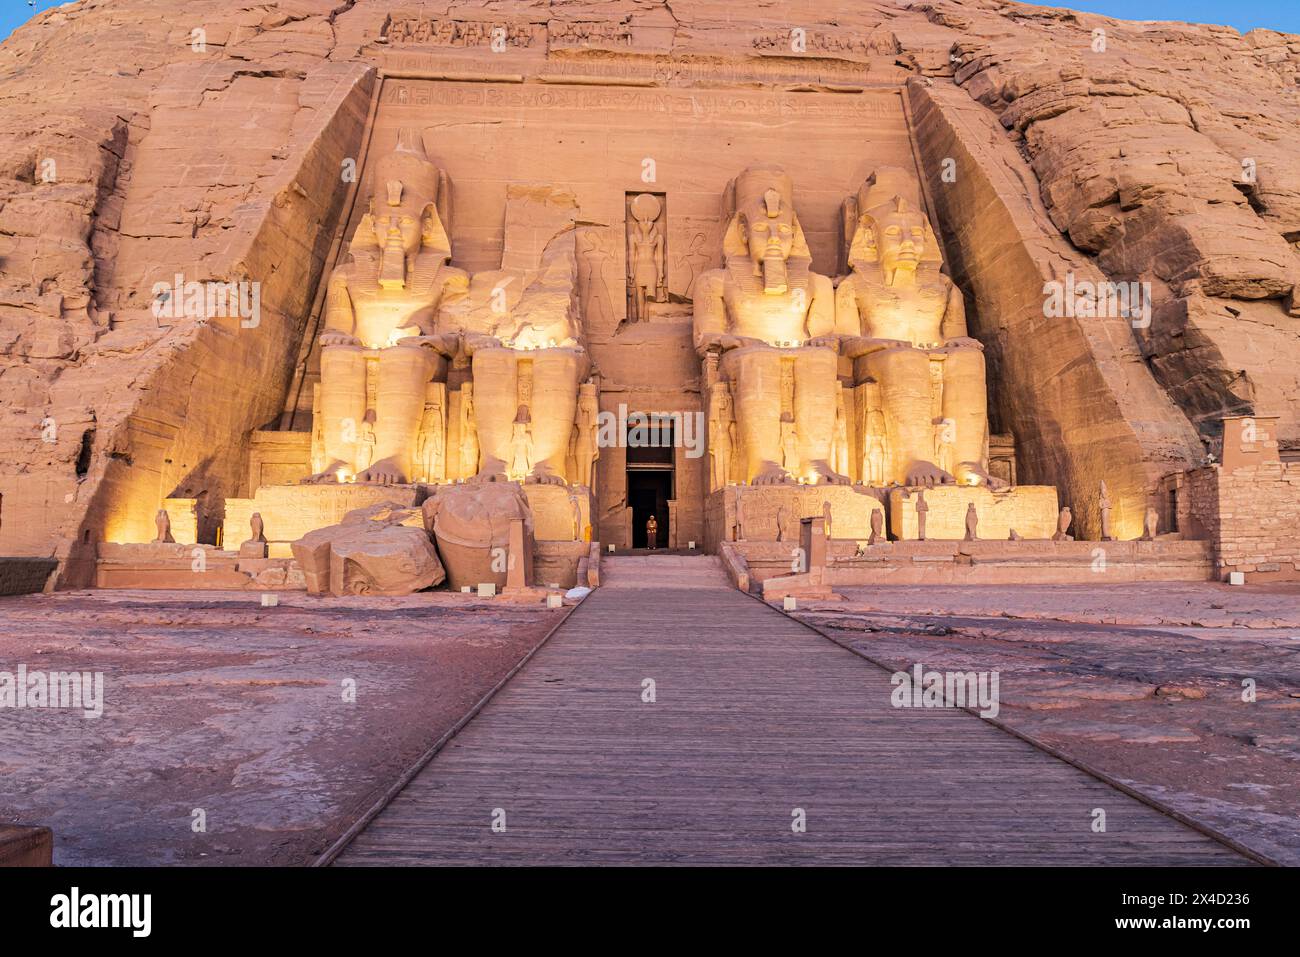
(420, 94)
(634, 49)
(455, 32)
(505, 32)
(581, 65)
(797, 41)
(582, 33)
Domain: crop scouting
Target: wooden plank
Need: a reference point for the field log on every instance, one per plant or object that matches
(754, 717)
(22, 846)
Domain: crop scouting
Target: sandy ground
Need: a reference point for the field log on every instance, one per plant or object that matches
(215, 703)
(1144, 682)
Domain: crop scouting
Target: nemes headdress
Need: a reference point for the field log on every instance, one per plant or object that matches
(406, 182)
(760, 190)
(886, 191)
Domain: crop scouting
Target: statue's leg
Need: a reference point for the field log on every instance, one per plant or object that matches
(904, 378)
(556, 374)
(755, 376)
(496, 392)
(815, 392)
(965, 402)
(403, 378)
(342, 406)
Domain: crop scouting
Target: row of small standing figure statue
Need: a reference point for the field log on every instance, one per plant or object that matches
(1063, 523)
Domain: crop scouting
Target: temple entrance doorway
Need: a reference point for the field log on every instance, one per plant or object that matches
(650, 475)
(648, 492)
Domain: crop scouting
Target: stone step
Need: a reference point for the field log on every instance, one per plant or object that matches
(666, 571)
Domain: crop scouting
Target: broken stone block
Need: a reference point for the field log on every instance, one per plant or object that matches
(370, 553)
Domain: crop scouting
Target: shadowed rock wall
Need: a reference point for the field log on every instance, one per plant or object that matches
(1083, 406)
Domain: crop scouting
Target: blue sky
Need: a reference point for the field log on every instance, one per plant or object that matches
(1271, 14)
(1274, 14)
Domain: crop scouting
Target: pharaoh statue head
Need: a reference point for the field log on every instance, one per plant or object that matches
(887, 228)
(410, 196)
(763, 224)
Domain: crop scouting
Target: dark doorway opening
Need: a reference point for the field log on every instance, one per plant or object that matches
(648, 492)
(650, 471)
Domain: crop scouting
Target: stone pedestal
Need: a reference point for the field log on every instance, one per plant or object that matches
(172, 565)
(291, 511)
(1030, 509)
(519, 568)
(851, 508)
(814, 580)
(564, 564)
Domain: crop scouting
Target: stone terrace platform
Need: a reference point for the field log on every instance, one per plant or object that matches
(982, 562)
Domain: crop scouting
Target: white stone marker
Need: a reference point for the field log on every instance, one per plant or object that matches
(790, 603)
(487, 589)
(269, 600)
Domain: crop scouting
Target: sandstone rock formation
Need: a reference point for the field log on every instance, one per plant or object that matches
(161, 166)
(146, 146)
(1161, 150)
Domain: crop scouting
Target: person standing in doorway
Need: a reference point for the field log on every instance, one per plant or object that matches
(651, 532)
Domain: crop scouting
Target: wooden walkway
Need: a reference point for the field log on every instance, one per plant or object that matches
(755, 716)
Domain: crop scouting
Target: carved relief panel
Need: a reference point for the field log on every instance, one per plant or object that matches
(647, 253)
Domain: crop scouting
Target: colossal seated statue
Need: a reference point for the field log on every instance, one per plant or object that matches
(519, 326)
(926, 422)
(771, 322)
(380, 350)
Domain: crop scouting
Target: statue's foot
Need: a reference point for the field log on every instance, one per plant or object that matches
(328, 476)
(773, 476)
(828, 476)
(928, 475)
(381, 475)
(970, 473)
(488, 475)
(320, 478)
(543, 477)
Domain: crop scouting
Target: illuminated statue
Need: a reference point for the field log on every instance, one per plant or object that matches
(772, 320)
(379, 336)
(927, 374)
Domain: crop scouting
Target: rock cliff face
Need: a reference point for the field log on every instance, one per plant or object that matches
(1161, 150)
(136, 149)
(141, 139)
